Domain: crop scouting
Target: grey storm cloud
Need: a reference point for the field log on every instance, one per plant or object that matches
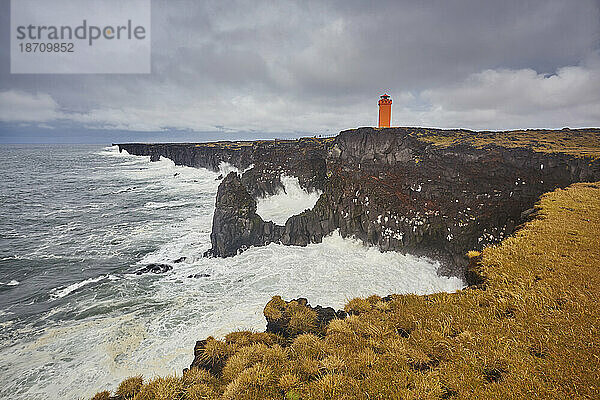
(309, 66)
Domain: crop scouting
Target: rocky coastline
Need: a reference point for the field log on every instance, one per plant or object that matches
(410, 190)
(395, 188)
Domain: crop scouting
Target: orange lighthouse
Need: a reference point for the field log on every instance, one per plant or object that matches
(385, 111)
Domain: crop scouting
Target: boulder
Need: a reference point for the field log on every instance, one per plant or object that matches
(154, 268)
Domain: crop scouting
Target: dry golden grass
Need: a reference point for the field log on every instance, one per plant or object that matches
(216, 351)
(168, 388)
(105, 395)
(578, 142)
(200, 391)
(245, 338)
(197, 376)
(129, 387)
(473, 253)
(294, 314)
(531, 330)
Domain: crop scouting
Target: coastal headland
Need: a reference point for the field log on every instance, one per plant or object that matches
(438, 193)
(516, 214)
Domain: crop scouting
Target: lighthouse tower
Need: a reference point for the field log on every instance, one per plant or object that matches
(385, 111)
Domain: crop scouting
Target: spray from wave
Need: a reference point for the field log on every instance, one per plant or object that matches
(290, 200)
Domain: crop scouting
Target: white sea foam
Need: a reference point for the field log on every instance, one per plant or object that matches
(113, 151)
(98, 353)
(59, 293)
(290, 200)
(225, 168)
(166, 204)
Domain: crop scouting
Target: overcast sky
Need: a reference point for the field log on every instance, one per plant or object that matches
(281, 68)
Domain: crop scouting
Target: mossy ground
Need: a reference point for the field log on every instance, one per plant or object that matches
(531, 330)
(577, 142)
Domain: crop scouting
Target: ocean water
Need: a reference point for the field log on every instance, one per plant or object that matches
(77, 221)
(286, 202)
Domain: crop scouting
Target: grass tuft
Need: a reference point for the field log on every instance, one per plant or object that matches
(357, 306)
(256, 382)
(200, 391)
(302, 319)
(129, 387)
(196, 376)
(275, 308)
(215, 351)
(473, 253)
(105, 395)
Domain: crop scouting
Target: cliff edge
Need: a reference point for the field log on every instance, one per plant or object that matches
(432, 192)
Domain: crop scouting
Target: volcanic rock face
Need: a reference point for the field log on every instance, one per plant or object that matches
(191, 155)
(391, 189)
(387, 187)
(263, 161)
(236, 225)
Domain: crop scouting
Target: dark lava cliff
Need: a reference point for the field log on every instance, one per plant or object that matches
(393, 188)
